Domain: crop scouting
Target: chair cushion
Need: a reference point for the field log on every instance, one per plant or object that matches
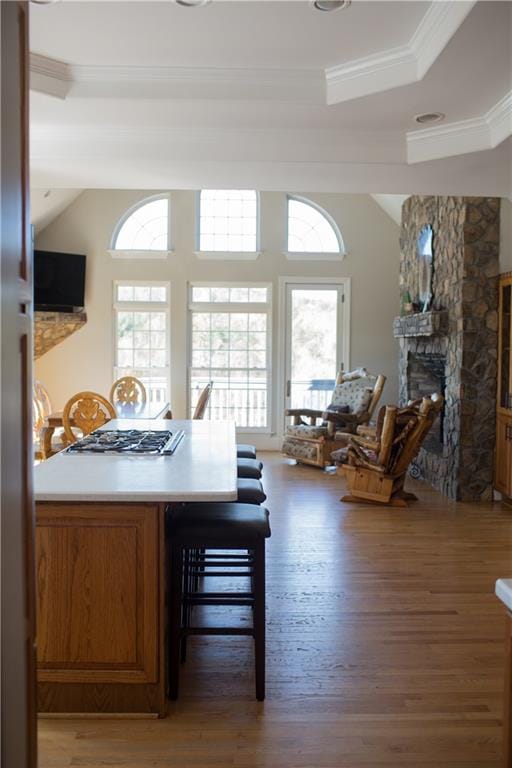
(249, 468)
(356, 394)
(224, 522)
(250, 491)
(304, 430)
(244, 451)
(300, 449)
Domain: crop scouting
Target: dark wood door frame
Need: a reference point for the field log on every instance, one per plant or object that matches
(18, 749)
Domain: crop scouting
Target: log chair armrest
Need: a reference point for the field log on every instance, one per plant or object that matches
(365, 442)
(335, 420)
(303, 412)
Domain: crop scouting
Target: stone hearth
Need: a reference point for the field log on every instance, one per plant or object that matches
(51, 328)
(462, 333)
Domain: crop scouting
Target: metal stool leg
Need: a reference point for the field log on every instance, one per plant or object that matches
(259, 619)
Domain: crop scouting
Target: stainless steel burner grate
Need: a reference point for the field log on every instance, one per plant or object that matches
(163, 442)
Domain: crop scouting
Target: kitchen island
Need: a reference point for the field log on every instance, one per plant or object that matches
(101, 565)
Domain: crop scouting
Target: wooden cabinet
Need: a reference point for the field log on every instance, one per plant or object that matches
(503, 456)
(99, 614)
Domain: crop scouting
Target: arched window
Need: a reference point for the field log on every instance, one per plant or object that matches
(145, 227)
(228, 221)
(311, 229)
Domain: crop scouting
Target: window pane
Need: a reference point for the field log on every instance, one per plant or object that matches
(146, 228)
(229, 348)
(258, 294)
(125, 292)
(142, 339)
(200, 294)
(309, 230)
(228, 220)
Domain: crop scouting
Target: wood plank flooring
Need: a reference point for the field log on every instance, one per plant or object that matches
(385, 647)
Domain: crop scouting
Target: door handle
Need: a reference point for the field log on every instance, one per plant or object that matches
(288, 388)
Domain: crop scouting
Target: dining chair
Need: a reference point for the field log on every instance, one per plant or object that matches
(128, 390)
(86, 411)
(202, 403)
(41, 410)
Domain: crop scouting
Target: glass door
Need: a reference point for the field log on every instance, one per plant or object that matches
(314, 342)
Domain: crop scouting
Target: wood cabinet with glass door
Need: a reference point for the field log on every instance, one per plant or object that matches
(503, 456)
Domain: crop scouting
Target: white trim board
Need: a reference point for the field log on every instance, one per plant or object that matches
(403, 64)
(464, 136)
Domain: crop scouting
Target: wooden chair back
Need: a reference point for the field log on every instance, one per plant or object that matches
(86, 411)
(202, 403)
(378, 387)
(40, 393)
(128, 390)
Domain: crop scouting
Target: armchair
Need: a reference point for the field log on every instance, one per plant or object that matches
(354, 400)
(375, 467)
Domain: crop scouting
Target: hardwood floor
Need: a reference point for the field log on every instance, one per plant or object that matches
(385, 647)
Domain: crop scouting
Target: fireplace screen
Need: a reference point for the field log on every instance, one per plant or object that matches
(426, 374)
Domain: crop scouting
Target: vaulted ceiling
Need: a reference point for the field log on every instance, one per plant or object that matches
(272, 95)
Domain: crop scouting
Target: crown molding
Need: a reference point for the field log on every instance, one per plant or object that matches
(56, 78)
(403, 64)
(49, 76)
(372, 74)
(459, 138)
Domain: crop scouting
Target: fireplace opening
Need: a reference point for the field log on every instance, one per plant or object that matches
(426, 374)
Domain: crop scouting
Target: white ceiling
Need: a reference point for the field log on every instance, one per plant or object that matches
(273, 95)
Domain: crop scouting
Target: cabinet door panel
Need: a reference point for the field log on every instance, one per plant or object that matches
(503, 458)
(97, 580)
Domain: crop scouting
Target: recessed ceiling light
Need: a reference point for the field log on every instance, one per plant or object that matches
(430, 117)
(331, 5)
(193, 3)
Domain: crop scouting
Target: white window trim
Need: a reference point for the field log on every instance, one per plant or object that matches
(281, 339)
(227, 255)
(254, 306)
(121, 253)
(314, 255)
(159, 306)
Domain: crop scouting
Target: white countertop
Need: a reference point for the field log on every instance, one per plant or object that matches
(203, 468)
(504, 592)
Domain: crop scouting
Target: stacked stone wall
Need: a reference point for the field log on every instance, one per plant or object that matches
(465, 287)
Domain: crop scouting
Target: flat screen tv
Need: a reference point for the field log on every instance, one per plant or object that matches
(59, 281)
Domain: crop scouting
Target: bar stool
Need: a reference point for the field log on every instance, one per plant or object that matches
(244, 451)
(221, 530)
(249, 468)
(250, 491)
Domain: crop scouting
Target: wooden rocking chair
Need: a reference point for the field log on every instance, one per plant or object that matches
(376, 468)
(312, 436)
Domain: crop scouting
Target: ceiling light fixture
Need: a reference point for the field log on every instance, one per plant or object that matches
(193, 3)
(331, 5)
(430, 117)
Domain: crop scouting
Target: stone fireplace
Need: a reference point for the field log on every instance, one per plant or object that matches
(453, 347)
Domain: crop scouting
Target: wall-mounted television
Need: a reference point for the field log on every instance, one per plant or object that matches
(59, 281)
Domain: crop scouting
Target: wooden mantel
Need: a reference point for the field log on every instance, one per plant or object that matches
(50, 328)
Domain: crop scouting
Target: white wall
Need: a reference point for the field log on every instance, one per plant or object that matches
(85, 360)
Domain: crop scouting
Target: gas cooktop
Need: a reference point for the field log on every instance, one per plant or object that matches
(162, 442)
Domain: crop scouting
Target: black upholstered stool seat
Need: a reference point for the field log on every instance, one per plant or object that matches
(211, 540)
(226, 522)
(244, 451)
(249, 468)
(250, 491)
